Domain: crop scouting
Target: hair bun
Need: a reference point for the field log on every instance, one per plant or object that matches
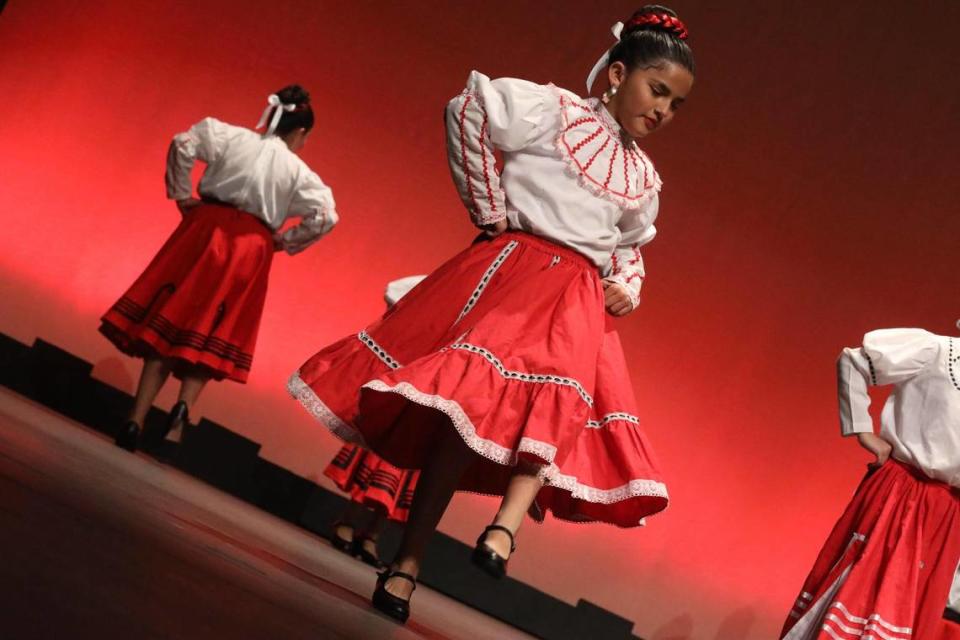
(656, 18)
(294, 94)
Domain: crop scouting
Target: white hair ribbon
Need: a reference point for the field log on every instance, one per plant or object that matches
(273, 102)
(604, 59)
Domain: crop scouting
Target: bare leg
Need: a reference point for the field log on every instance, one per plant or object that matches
(152, 378)
(521, 492)
(437, 484)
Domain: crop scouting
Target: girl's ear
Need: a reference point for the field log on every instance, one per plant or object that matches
(616, 74)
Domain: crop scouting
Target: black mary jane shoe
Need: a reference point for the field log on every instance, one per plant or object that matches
(365, 556)
(488, 559)
(127, 436)
(341, 544)
(389, 604)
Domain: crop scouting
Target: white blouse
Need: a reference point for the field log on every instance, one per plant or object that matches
(258, 175)
(921, 419)
(569, 173)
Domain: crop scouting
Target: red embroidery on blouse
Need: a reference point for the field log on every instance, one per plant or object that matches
(463, 152)
(613, 158)
(594, 156)
(486, 172)
(583, 141)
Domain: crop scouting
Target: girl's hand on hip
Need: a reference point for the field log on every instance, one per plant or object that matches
(877, 446)
(495, 228)
(187, 205)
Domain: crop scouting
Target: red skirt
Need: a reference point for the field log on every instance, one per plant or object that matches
(373, 482)
(200, 300)
(511, 342)
(886, 569)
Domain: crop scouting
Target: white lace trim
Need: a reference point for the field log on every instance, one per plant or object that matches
(639, 488)
(462, 423)
(379, 351)
(613, 417)
(302, 392)
(548, 473)
(540, 378)
(591, 143)
(485, 280)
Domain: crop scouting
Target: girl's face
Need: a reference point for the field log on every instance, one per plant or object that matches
(647, 99)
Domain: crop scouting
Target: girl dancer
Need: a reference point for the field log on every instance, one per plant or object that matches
(886, 569)
(502, 372)
(378, 490)
(196, 309)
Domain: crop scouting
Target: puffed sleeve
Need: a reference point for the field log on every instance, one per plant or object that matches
(888, 356)
(506, 114)
(313, 203)
(636, 228)
(204, 141)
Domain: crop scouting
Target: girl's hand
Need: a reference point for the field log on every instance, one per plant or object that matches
(494, 229)
(187, 205)
(616, 299)
(877, 446)
(277, 242)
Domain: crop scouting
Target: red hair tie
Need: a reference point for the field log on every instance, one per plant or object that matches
(663, 20)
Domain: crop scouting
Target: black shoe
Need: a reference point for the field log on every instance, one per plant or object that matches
(179, 414)
(385, 602)
(365, 556)
(128, 435)
(488, 559)
(340, 544)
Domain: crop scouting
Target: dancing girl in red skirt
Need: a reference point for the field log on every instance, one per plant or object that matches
(196, 309)
(502, 372)
(886, 570)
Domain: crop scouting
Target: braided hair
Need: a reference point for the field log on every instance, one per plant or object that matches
(653, 34)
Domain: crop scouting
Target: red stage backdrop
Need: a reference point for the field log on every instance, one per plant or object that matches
(809, 195)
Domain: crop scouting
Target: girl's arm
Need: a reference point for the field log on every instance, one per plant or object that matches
(204, 141)
(503, 114)
(888, 356)
(314, 203)
(626, 264)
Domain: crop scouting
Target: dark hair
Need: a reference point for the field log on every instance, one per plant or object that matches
(299, 118)
(653, 34)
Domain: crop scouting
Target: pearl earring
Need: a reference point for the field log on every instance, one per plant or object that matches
(608, 94)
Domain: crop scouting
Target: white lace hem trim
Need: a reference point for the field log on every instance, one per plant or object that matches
(306, 396)
(548, 473)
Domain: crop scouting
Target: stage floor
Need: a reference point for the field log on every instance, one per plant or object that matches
(99, 543)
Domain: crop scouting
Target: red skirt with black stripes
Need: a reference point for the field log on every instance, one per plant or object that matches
(200, 299)
(373, 482)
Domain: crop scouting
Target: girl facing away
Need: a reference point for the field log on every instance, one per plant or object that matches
(886, 569)
(195, 311)
(502, 372)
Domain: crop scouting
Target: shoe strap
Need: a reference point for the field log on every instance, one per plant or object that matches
(497, 527)
(386, 574)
